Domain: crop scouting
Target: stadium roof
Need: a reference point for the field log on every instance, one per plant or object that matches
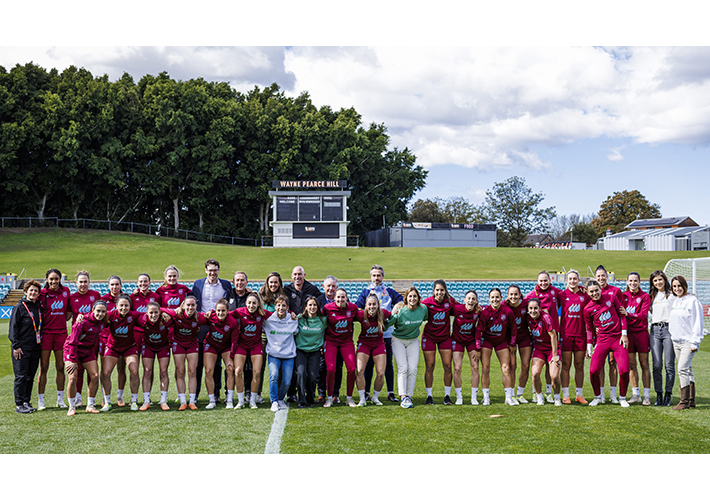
(638, 234)
(662, 222)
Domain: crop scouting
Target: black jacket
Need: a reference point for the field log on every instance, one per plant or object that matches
(22, 332)
(297, 299)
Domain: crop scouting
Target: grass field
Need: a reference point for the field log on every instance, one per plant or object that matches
(105, 253)
(389, 429)
(341, 430)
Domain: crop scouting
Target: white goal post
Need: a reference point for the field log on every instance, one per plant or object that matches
(697, 273)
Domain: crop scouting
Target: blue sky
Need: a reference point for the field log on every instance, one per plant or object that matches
(578, 121)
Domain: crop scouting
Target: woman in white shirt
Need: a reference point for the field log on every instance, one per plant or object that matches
(662, 352)
(686, 327)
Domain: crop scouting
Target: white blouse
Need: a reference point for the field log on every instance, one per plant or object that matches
(661, 307)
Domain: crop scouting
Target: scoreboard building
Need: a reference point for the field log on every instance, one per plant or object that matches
(310, 218)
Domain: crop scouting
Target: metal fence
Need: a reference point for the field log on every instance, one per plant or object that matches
(128, 227)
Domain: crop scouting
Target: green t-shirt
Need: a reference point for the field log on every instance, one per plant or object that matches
(407, 322)
(310, 333)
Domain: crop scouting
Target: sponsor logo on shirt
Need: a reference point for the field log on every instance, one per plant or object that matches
(57, 305)
(372, 330)
(341, 324)
(85, 309)
(631, 309)
(173, 301)
(439, 316)
(466, 327)
(250, 328)
(121, 330)
(496, 328)
(574, 308)
(535, 332)
(142, 309)
(518, 321)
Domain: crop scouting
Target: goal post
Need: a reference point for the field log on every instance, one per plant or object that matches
(697, 273)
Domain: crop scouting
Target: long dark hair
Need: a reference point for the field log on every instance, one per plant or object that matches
(666, 284)
(447, 297)
(52, 271)
(265, 292)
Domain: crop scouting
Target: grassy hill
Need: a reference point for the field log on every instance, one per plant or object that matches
(104, 253)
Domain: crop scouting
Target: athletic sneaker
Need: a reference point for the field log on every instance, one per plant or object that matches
(134, 406)
(164, 406)
(474, 401)
(603, 398)
(624, 403)
(79, 402)
(106, 407)
(182, 407)
(282, 405)
(71, 412)
(40, 406)
(60, 403)
(522, 400)
(511, 402)
(596, 401)
(229, 405)
(459, 400)
(429, 400)
(614, 400)
(259, 399)
(486, 401)
(211, 406)
(540, 400)
(328, 403)
(350, 402)
(392, 398)
(120, 402)
(367, 396)
(336, 400)
(362, 402)
(550, 398)
(274, 406)
(29, 406)
(566, 400)
(646, 401)
(377, 402)
(91, 409)
(192, 406)
(239, 405)
(145, 406)
(581, 400)
(634, 399)
(407, 402)
(447, 400)
(252, 405)
(558, 402)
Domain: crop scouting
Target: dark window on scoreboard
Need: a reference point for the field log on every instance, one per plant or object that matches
(316, 230)
(308, 208)
(286, 208)
(332, 208)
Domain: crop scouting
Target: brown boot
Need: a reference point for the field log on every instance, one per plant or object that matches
(684, 397)
(691, 396)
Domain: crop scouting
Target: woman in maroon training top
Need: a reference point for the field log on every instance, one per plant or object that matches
(463, 339)
(549, 297)
(546, 350)
(339, 337)
(218, 343)
(371, 343)
(437, 333)
(171, 292)
(54, 298)
(523, 340)
(637, 303)
(115, 289)
(154, 341)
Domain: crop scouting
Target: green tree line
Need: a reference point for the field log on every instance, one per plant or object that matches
(187, 154)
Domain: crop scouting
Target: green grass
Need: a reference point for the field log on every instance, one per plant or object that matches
(379, 430)
(105, 253)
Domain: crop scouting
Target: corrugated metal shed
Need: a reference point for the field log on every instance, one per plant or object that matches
(669, 239)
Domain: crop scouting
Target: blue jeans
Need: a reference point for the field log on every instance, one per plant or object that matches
(278, 391)
(663, 354)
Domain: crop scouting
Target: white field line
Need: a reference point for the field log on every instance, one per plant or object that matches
(273, 445)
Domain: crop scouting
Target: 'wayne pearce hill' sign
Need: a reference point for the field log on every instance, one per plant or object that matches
(309, 184)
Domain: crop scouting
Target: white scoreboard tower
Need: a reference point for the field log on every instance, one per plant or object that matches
(310, 218)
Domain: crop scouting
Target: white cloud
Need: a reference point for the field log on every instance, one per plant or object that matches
(616, 154)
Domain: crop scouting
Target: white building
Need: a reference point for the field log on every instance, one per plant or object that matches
(665, 235)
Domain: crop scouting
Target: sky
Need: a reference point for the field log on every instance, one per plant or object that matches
(579, 111)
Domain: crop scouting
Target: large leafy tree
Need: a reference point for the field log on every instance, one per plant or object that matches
(516, 210)
(622, 208)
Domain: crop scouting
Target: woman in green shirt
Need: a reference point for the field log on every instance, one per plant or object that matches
(407, 321)
(309, 347)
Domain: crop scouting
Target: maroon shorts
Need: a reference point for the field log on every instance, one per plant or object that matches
(526, 341)
(372, 349)
(53, 341)
(574, 344)
(430, 345)
(463, 346)
(84, 355)
(257, 350)
(639, 342)
(502, 343)
(187, 348)
(115, 352)
(544, 352)
(211, 348)
(152, 353)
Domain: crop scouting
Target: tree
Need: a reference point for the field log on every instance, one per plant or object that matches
(620, 209)
(427, 211)
(561, 224)
(515, 209)
(582, 231)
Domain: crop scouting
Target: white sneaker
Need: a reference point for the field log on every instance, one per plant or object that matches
(646, 401)
(282, 404)
(550, 398)
(362, 402)
(511, 402)
(229, 405)
(540, 400)
(259, 399)
(350, 402)
(558, 402)
(211, 406)
(459, 401)
(239, 405)
(624, 403)
(474, 401)
(60, 403)
(79, 402)
(252, 405)
(614, 400)
(596, 401)
(328, 402)
(275, 406)
(377, 402)
(486, 401)
(40, 406)
(602, 398)
(634, 399)
(522, 400)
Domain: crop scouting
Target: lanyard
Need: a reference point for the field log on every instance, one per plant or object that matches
(34, 325)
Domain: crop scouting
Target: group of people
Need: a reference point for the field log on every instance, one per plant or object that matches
(307, 335)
